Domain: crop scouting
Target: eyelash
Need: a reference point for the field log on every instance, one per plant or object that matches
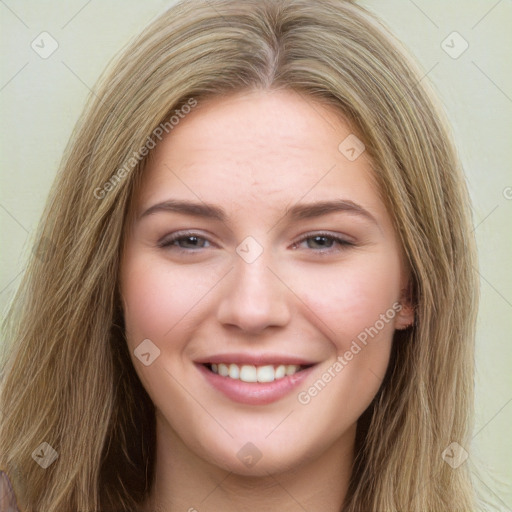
(183, 235)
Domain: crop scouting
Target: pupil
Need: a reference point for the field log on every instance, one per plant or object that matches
(318, 240)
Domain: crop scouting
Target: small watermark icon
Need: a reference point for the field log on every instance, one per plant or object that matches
(454, 45)
(507, 193)
(249, 250)
(44, 45)
(351, 147)
(44, 455)
(454, 455)
(146, 352)
(249, 454)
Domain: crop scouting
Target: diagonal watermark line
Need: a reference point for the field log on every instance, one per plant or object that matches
(486, 217)
(76, 14)
(216, 487)
(419, 81)
(197, 401)
(497, 291)
(310, 103)
(11, 281)
(280, 423)
(492, 81)
(378, 377)
(286, 491)
(503, 407)
(13, 218)
(409, 91)
(101, 100)
(79, 78)
(507, 508)
(424, 13)
(14, 13)
(14, 76)
(198, 301)
(491, 9)
(9, 491)
(217, 12)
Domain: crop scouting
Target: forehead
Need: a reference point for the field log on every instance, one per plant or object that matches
(258, 148)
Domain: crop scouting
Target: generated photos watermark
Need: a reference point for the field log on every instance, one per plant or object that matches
(305, 397)
(138, 156)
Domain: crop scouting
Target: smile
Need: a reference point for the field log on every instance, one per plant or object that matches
(264, 381)
(252, 373)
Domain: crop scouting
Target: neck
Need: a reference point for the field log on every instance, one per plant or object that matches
(186, 482)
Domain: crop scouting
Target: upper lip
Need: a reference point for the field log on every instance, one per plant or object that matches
(255, 359)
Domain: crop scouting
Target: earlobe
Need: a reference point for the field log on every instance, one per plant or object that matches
(405, 317)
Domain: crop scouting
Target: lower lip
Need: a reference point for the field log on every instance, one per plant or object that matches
(254, 393)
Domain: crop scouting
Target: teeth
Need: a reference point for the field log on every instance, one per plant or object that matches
(280, 371)
(248, 373)
(234, 371)
(265, 373)
(291, 369)
(251, 373)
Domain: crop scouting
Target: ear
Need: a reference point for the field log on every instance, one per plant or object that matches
(405, 317)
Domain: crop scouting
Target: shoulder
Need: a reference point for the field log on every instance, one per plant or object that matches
(7, 498)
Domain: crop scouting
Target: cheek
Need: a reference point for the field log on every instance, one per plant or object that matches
(159, 304)
(155, 298)
(350, 298)
(353, 306)
(145, 308)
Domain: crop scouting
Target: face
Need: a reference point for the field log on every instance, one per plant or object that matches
(261, 279)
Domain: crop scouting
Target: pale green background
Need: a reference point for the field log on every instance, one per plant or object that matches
(41, 100)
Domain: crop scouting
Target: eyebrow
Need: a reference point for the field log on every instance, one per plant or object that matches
(297, 212)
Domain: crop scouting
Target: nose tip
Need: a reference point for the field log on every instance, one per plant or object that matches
(254, 297)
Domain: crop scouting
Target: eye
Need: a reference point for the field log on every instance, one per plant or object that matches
(325, 242)
(190, 242)
(183, 241)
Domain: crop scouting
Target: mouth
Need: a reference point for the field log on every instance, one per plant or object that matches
(254, 380)
(252, 373)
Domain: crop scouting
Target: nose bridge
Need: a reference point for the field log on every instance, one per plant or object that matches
(254, 297)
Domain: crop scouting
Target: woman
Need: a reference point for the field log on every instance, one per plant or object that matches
(184, 338)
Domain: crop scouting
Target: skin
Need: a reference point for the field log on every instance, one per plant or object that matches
(256, 154)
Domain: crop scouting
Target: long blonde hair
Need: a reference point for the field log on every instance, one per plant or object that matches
(67, 378)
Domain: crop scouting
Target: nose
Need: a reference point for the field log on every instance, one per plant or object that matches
(254, 297)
